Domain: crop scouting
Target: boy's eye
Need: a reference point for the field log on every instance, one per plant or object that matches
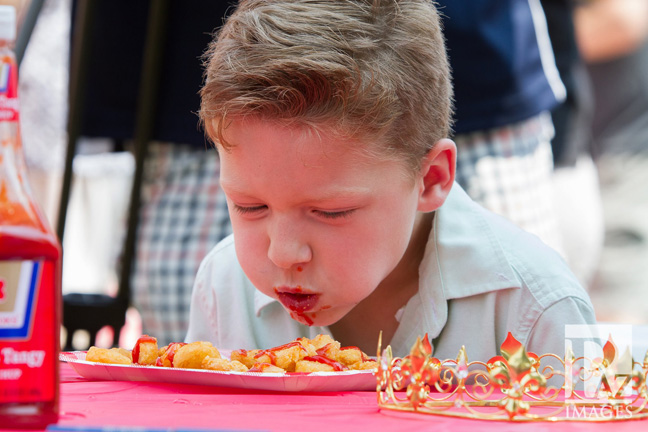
(248, 210)
(334, 214)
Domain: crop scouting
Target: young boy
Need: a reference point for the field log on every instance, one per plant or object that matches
(330, 119)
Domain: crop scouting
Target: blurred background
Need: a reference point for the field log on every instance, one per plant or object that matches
(604, 217)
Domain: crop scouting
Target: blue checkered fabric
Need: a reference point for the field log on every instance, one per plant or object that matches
(183, 215)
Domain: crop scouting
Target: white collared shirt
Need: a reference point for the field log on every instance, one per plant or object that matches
(480, 278)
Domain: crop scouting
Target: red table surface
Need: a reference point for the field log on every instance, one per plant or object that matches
(91, 404)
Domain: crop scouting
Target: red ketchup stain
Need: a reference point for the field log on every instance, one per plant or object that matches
(298, 303)
(301, 317)
(363, 356)
(322, 351)
(241, 352)
(337, 366)
(300, 268)
(272, 352)
(136, 349)
(171, 351)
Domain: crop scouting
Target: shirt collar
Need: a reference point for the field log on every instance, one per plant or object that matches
(467, 257)
(260, 301)
(462, 258)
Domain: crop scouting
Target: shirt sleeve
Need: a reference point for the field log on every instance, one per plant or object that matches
(548, 333)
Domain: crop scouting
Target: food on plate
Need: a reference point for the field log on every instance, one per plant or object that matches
(365, 365)
(104, 355)
(266, 368)
(191, 355)
(221, 364)
(284, 356)
(351, 356)
(326, 346)
(145, 351)
(320, 354)
(319, 363)
(246, 357)
(167, 353)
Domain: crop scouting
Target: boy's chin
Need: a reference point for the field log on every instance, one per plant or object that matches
(317, 319)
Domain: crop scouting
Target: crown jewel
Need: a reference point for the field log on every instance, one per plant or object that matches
(516, 385)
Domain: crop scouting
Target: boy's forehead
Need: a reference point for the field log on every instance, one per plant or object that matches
(312, 144)
(271, 153)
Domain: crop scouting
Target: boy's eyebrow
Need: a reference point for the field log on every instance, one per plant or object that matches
(329, 194)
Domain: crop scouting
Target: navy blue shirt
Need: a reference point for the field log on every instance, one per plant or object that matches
(117, 40)
(494, 53)
(502, 65)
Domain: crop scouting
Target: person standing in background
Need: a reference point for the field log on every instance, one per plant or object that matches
(183, 211)
(575, 180)
(613, 38)
(506, 83)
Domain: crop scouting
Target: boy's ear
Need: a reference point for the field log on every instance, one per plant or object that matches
(437, 175)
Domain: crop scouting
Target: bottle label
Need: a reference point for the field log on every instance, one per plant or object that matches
(27, 336)
(19, 281)
(9, 107)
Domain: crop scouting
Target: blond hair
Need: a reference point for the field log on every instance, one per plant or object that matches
(373, 70)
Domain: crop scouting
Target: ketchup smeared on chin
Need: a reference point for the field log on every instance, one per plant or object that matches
(301, 317)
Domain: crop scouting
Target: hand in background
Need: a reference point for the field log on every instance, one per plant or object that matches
(606, 29)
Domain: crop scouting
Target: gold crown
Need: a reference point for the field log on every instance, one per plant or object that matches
(516, 385)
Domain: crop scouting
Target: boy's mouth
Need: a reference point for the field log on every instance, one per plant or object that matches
(297, 301)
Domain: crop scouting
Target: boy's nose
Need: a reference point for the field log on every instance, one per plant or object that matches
(287, 246)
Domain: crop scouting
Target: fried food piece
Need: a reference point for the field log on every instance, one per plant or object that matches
(365, 365)
(125, 353)
(322, 340)
(284, 356)
(191, 355)
(326, 346)
(145, 351)
(266, 368)
(104, 355)
(311, 350)
(351, 355)
(166, 358)
(245, 356)
(319, 363)
(221, 364)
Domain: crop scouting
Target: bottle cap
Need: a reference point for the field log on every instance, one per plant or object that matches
(7, 23)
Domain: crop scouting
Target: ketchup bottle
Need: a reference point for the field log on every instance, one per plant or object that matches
(30, 271)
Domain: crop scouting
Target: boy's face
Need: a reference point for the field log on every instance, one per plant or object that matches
(316, 225)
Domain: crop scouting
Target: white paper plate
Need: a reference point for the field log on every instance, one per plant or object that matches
(289, 382)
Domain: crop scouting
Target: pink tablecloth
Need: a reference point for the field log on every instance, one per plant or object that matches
(90, 404)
